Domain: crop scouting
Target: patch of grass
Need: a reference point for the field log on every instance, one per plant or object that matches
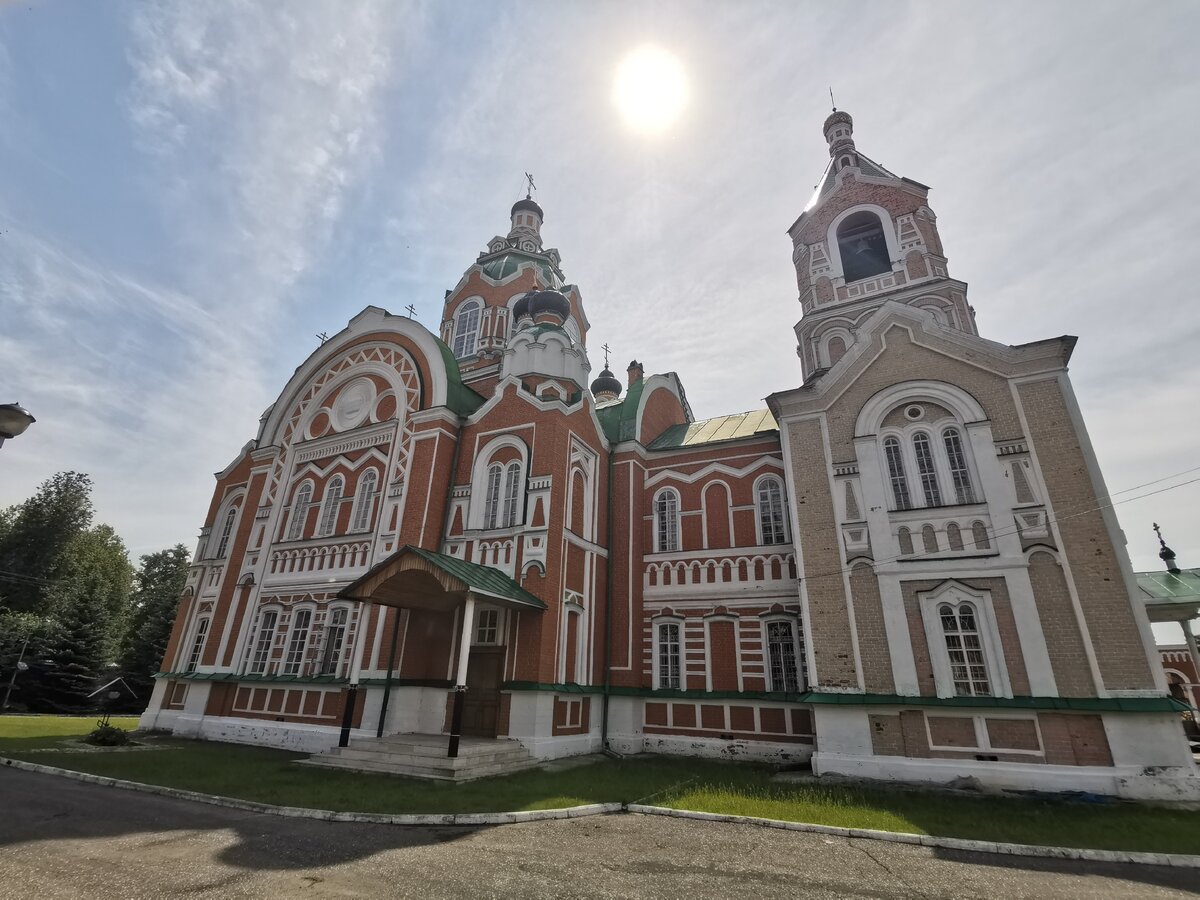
(1103, 826)
(34, 732)
(271, 776)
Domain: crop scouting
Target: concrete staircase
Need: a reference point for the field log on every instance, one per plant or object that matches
(424, 756)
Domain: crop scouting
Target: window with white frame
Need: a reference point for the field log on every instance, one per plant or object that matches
(300, 505)
(668, 658)
(193, 659)
(926, 471)
(491, 499)
(335, 636)
(782, 657)
(512, 495)
(938, 459)
(666, 521)
(466, 329)
(772, 523)
(965, 649)
(487, 626)
(364, 500)
(226, 533)
(263, 641)
(956, 459)
(894, 457)
(330, 506)
(297, 642)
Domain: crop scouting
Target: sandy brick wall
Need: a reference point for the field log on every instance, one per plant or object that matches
(1068, 656)
(872, 635)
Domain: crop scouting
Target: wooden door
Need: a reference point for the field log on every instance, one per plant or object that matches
(485, 669)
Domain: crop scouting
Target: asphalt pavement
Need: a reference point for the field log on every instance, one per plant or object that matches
(63, 838)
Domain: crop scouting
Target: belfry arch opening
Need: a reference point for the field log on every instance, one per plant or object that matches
(862, 246)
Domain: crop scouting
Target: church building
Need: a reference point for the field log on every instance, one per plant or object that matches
(903, 567)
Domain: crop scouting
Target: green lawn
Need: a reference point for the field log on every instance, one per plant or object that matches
(270, 776)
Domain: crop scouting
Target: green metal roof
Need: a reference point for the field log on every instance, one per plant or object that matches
(460, 398)
(509, 263)
(479, 579)
(722, 428)
(618, 418)
(1163, 587)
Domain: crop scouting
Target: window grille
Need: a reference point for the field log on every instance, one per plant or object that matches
(491, 500)
(466, 330)
(968, 666)
(668, 656)
(298, 642)
(781, 653)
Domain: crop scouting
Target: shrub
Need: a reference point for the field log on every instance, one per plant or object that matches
(108, 736)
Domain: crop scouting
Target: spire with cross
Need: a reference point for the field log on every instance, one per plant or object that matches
(1166, 554)
(605, 348)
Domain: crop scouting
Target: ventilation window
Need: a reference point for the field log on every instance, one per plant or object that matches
(914, 412)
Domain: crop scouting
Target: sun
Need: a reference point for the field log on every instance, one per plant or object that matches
(650, 89)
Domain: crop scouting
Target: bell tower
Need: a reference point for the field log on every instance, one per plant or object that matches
(867, 236)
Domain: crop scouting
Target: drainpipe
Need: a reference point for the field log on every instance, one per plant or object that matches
(608, 606)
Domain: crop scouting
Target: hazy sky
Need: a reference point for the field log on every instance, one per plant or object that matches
(189, 191)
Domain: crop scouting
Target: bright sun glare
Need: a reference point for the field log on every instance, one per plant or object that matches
(650, 89)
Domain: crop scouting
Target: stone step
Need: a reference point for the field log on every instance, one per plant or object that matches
(424, 756)
(374, 754)
(467, 748)
(435, 773)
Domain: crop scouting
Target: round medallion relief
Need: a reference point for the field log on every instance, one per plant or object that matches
(353, 404)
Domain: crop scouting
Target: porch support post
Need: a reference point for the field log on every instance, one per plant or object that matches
(1190, 637)
(460, 675)
(387, 682)
(364, 615)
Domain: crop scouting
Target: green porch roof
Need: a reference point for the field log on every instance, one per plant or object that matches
(722, 428)
(1165, 588)
(479, 579)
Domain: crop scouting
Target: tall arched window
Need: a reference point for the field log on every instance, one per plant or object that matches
(968, 665)
(491, 499)
(335, 636)
(960, 475)
(330, 506)
(666, 522)
(364, 502)
(668, 657)
(297, 642)
(466, 329)
(223, 546)
(265, 640)
(926, 469)
(772, 524)
(197, 645)
(895, 464)
(862, 246)
(512, 494)
(782, 656)
(300, 507)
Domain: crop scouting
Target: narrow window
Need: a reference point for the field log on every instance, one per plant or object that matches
(958, 466)
(197, 645)
(770, 512)
(666, 522)
(491, 498)
(781, 651)
(980, 536)
(512, 490)
(364, 504)
(298, 642)
(906, 541)
(968, 668)
(668, 656)
(300, 511)
(330, 506)
(954, 536)
(223, 546)
(262, 647)
(895, 465)
(487, 627)
(335, 635)
(929, 539)
(466, 330)
(925, 469)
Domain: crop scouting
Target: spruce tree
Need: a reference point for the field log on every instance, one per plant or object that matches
(155, 600)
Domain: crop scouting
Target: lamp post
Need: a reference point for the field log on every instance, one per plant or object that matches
(14, 419)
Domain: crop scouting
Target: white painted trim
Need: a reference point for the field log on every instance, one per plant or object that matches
(955, 592)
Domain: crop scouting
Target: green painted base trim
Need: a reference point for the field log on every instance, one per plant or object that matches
(316, 680)
(820, 698)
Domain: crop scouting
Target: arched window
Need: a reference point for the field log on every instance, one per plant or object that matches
(956, 459)
(491, 499)
(297, 642)
(895, 464)
(926, 469)
(835, 349)
(300, 511)
(772, 524)
(512, 494)
(261, 658)
(466, 329)
(979, 535)
(906, 542)
(330, 506)
(335, 636)
(863, 246)
(954, 536)
(968, 665)
(666, 522)
(929, 539)
(782, 656)
(223, 546)
(364, 502)
(197, 645)
(668, 656)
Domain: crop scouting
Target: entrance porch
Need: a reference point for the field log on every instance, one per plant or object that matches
(424, 756)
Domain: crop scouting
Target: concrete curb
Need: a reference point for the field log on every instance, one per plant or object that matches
(1177, 860)
(327, 815)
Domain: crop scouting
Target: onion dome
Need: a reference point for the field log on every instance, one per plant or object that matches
(606, 386)
(837, 117)
(528, 204)
(521, 307)
(542, 302)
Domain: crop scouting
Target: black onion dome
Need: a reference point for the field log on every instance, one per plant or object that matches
(548, 302)
(838, 117)
(607, 382)
(528, 205)
(521, 307)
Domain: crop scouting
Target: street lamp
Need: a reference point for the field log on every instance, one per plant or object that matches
(14, 419)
